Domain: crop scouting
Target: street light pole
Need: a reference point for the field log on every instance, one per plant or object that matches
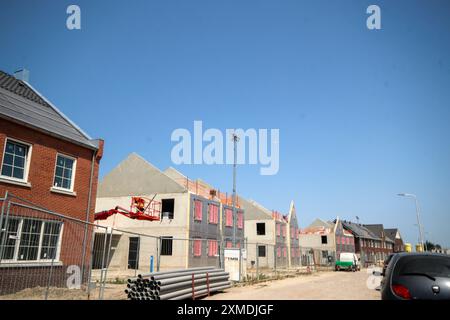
(418, 216)
(235, 138)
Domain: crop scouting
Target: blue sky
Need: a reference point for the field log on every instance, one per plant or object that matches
(362, 114)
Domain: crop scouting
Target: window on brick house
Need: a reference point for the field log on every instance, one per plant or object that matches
(29, 239)
(64, 172)
(16, 160)
(324, 239)
(168, 208)
(261, 228)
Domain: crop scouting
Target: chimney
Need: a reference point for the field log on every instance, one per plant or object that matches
(22, 74)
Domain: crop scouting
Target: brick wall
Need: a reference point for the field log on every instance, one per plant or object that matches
(42, 168)
(40, 176)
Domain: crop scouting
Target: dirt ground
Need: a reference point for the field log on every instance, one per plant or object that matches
(112, 292)
(317, 286)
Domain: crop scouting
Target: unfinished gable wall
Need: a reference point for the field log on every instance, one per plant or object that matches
(176, 228)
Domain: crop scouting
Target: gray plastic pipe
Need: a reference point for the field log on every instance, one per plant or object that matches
(189, 290)
(201, 292)
(163, 282)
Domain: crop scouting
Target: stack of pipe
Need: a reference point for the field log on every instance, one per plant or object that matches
(177, 284)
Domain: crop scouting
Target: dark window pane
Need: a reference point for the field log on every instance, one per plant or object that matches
(8, 159)
(18, 173)
(261, 251)
(67, 173)
(261, 229)
(435, 266)
(20, 150)
(59, 171)
(7, 170)
(9, 147)
(19, 162)
(69, 163)
(58, 182)
(65, 184)
(48, 253)
(166, 246)
(60, 161)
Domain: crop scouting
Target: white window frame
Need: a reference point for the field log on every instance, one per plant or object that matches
(27, 159)
(72, 178)
(15, 259)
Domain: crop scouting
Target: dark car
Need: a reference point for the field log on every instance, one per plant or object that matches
(411, 276)
(385, 265)
(386, 262)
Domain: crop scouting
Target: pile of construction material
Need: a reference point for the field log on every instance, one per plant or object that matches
(177, 284)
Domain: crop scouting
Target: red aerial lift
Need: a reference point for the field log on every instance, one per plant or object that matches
(141, 208)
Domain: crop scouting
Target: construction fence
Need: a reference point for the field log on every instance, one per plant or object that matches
(265, 261)
(48, 255)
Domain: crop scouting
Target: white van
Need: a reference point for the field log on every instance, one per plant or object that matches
(348, 261)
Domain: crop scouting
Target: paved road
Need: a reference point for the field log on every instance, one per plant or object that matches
(319, 286)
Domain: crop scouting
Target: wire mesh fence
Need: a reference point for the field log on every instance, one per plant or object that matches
(48, 255)
(42, 252)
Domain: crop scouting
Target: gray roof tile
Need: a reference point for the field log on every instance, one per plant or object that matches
(19, 102)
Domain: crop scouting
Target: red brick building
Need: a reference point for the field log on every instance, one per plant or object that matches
(49, 161)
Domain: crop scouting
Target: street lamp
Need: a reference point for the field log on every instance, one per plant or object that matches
(418, 216)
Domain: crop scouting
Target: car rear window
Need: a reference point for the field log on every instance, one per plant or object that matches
(434, 266)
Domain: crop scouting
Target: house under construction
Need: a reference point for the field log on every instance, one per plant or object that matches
(272, 238)
(193, 221)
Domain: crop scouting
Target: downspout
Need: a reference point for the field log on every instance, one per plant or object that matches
(94, 155)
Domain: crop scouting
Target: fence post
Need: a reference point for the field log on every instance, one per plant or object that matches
(158, 253)
(257, 262)
(102, 273)
(240, 263)
(91, 264)
(107, 262)
(2, 240)
(275, 258)
(50, 277)
(136, 266)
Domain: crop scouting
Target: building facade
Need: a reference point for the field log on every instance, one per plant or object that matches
(194, 223)
(271, 237)
(48, 162)
(394, 234)
(369, 246)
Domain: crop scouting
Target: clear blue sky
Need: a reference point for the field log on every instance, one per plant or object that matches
(362, 114)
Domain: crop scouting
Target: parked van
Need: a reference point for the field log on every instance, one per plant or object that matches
(348, 261)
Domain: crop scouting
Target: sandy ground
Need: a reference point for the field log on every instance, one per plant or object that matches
(317, 286)
(112, 292)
